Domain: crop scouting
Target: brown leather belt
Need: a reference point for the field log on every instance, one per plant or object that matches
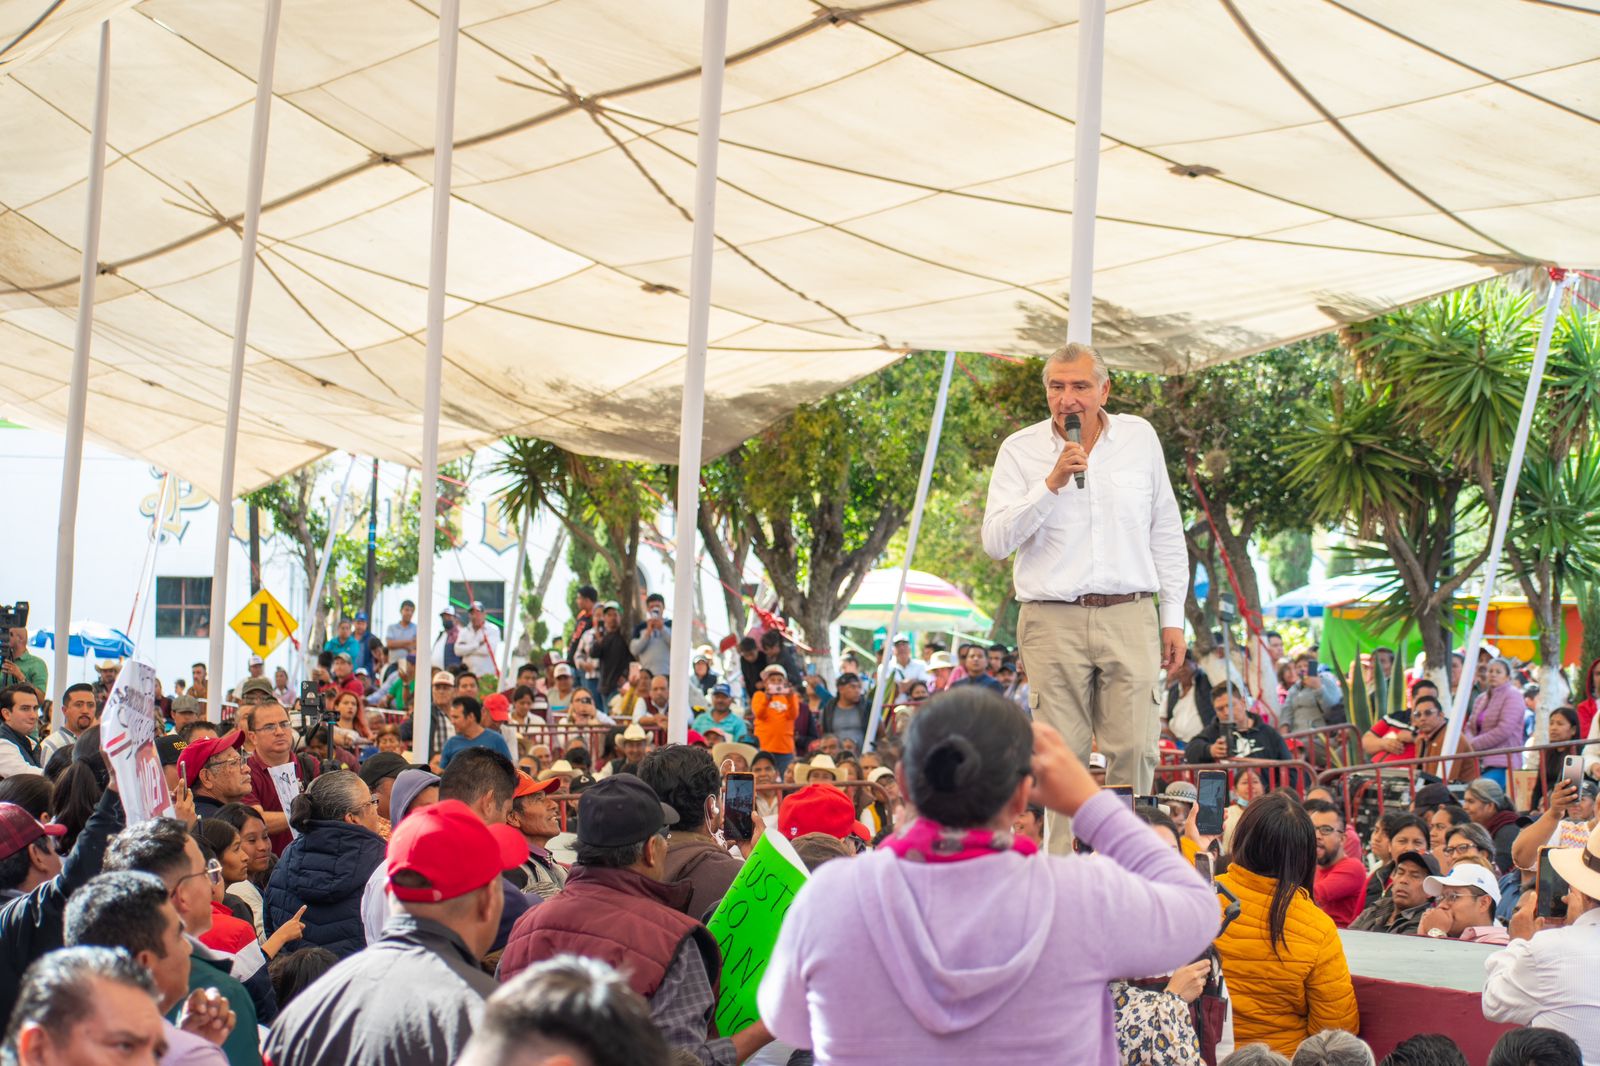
(1101, 599)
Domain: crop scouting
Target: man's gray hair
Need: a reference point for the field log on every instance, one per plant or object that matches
(1254, 1055)
(1333, 1047)
(1071, 353)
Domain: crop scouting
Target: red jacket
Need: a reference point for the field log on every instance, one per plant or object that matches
(1591, 699)
(623, 918)
(1341, 890)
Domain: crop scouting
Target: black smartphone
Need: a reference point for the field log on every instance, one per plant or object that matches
(1213, 789)
(738, 806)
(1227, 735)
(1147, 801)
(1313, 668)
(1206, 864)
(1552, 889)
(310, 699)
(1124, 793)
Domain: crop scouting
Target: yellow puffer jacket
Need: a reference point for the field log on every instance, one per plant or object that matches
(1280, 998)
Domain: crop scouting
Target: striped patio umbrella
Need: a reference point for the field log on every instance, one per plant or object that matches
(931, 603)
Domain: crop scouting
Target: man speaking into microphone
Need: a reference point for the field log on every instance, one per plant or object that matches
(1084, 501)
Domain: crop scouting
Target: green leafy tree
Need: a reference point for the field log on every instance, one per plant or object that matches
(603, 504)
(817, 497)
(1223, 426)
(1288, 559)
(1431, 411)
(398, 543)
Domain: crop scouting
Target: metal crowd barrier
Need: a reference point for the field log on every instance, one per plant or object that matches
(1378, 778)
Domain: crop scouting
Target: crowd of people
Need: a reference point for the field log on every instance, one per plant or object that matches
(538, 889)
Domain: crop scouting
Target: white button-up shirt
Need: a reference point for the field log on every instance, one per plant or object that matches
(1122, 532)
(1549, 981)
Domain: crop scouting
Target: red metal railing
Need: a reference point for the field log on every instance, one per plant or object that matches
(1391, 770)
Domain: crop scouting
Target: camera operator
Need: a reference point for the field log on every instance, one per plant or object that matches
(21, 667)
(1250, 738)
(652, 638)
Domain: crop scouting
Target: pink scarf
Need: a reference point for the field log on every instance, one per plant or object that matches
(925, 840)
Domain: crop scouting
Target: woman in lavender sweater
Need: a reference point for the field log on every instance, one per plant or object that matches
(957, 943)
(1496, 722)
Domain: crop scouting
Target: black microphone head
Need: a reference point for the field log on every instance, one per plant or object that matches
(1074, 422)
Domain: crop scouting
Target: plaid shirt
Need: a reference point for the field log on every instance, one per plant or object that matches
(683, 1005)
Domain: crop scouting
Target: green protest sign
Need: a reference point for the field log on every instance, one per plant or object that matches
(746, 925)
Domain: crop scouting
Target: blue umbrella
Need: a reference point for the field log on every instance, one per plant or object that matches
(88, 637)
(1311, 601)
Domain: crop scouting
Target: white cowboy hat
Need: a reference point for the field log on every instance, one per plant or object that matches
(560, 768)
(940, 661)
(802, 771)
(634, 732)
(721, 751)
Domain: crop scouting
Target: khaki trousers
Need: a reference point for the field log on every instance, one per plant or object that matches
(1092, 675)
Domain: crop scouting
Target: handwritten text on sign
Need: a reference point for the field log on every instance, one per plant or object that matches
(128, 737)
(746, 925)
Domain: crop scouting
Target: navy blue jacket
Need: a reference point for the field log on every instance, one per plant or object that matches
(325, 870)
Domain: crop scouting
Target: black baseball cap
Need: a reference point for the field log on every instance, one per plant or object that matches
(1420, 858)
(621, 810)
(168, 749)
(382, 766)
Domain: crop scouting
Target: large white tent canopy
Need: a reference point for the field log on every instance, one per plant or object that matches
(893, 175)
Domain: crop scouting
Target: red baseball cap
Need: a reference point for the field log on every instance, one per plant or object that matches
(451, 847)
(18, 829)
(696, 738)
(497, 707)
(527, 786)
(820, 808)
(196, 755)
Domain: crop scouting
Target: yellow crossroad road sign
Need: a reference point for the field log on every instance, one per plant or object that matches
(263, 624)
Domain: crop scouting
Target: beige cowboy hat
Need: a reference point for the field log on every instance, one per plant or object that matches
(1580, 867)
(560, 768)
(634, 732)
(940, 661)
(802, 770)
(722, 751)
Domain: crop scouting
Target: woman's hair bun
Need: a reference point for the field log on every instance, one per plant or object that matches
(952, 764)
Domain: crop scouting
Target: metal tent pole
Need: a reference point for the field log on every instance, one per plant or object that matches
(1502, 520)
(438, 260)
(241, 331)
(713, 46)
(924, 479)
(78, 390)
(1086, 168)
(513, 608)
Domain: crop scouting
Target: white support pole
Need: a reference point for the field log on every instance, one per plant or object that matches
(1086, 168)
(513, 607)
(444, 126)
(78, 390)
(1502, 518)
(308, 653)
(713, 48)
(924, 479)
(141, 591)
(254, 180)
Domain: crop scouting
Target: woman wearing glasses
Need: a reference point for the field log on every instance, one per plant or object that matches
(326, 867)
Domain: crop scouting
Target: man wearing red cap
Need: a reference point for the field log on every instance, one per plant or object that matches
(214, 768)
(821, 808)
(617, 908)
(415, 995)
(536, 816)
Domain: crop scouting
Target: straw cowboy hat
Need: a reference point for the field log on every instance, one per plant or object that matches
(560, 768)
(722, 751)
(1580, 867)
(818, 762)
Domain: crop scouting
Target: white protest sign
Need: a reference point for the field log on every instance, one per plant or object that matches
(128, 728)
(287, 783)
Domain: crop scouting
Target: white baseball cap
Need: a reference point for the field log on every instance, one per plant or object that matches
(255, 660)
(1464, 875)
(563, 670)
(1097, 761)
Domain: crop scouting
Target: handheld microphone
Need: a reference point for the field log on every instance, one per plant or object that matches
(1075, 435)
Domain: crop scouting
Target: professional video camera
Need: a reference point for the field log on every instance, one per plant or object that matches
(16, 615)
